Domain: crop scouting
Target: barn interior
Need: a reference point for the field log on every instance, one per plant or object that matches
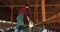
(45, 14)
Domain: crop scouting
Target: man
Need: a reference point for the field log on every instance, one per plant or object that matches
(20, 19)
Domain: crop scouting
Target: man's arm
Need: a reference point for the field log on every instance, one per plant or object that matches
(28, 19)
(30, 22)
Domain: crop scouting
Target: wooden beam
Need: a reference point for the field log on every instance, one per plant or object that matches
(11, 3)
(36, 13)
(54, 16)
(29, 5)
(43, 10)
(57, 20)
(14, 5)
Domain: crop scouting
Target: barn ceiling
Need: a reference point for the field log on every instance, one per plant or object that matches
(52, 6)
(6, 10)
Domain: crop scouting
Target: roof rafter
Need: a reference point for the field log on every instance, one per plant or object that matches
(29, 5)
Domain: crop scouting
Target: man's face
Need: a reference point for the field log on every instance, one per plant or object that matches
(27, 7)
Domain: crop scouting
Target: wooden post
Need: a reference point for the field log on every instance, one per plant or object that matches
(43, 10)
(11, 15)
(12, 3)
(36, 13)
